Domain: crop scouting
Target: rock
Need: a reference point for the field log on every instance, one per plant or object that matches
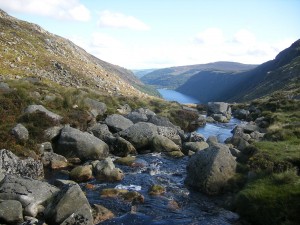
(146, 111)
(61, 183)
(160, 121)
(106, 170)
(29, 220)
(81, 173)
(163, 144)
(249, 128)
(118, 122)
(156, 190)
(140, 134)
(45, 147)
(54, 161)
(20, 132)
(100, 131)
(100, 213)
(235, 152)
(201, 121)
(175, 154)
(52, 133)
(212, 140)
(209, 119)
(194, 146)
(128, 196)
(220, 118)
(170, 133)
(74, 143)
(120, 147)
(96, 107)
(219, 108)
(257, 136)
(11, 212)
(34, 108)
(209, 170)
(11, 164)
(262, 122)
(241, 114)
(136, 117)
(32, 194)
(69, 202)
(4, 87)
(195, 137)
(124, 110)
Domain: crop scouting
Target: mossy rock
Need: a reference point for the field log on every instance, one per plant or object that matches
(128, 196)
(112, 192)
(157, 190)
(175, 154)
(126, 161)
(81, 173)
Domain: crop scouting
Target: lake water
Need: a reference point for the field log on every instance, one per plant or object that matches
(171, 95)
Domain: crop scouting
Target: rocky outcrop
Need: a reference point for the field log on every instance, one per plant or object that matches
(34, 108)
(32, 194)
(74, 143)
(11, 212)
(105, 170)
(209, 170)
(11, 164)
(20, 132)
(69, 206)
(117, 122)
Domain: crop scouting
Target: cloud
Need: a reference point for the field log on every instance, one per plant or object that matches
(58, 9)
(245, 37)
(118, 20)
(210, 36)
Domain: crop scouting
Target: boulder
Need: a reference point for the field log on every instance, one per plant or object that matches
(118, 122)
(160, 121)
(81, 173)
(120, 147)
(33, 194)
(209, 170)
(195, 137)
(145, 111)
(54, 161)
(11, 164)
(125, 109)
(69, 206)
(219, 108)
(241, 114)
(140, 134)
(212, 140)
(136, 117)
(45, 147)
(100, 131)
(74, 143)
(52, 133)
(220, 118)
(194, 146)
(163, 144)
(4, 87)
(96, 107)
(101, 213)
(11, 212)
(20, 132)
(171, 133)
(106, 170)
(34, 108)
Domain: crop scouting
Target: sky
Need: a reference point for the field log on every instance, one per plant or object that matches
(146, 34)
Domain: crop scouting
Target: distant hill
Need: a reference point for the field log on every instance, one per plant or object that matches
(27, 50)
(141, 73)
(174, 77)
(282, 73)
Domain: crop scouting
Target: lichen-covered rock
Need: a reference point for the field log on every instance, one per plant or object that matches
(171, 133)
(118, 122)
(11, 212)
(74, 143)
(11, 164)
(106, 170)
(20, 132)
(209, 170)
(34, 108)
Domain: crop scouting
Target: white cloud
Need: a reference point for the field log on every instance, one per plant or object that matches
(118, 20)
(210, 36)
(245, 37)
(59, 9)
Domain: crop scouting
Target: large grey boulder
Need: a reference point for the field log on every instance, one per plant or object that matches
(100, 131)
(219, 108)
(74, 143)
(69, 202)
(12, 164)
(160, 121)
(194, 147)
(136, 117)
(52, 133)
(96, 107)
(241, 114)
(11, 212)
(34, 108)
(209, 170)
(20, 132)
(171, 133)
(118, 122)
(33, 194)
(120, 147)
(140, 134)
(105, 170)
(163, 144)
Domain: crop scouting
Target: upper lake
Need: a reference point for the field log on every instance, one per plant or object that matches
(171, 95)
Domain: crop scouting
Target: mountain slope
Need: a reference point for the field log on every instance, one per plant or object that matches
(176, 76)
(282, 73)
(26, 50)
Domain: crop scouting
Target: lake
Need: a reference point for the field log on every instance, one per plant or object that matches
(171, 95)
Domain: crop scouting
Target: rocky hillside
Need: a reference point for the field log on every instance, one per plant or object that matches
(174, 77)
(27, 50)
(282, 73)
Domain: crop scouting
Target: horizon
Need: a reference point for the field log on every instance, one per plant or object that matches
(153, 35)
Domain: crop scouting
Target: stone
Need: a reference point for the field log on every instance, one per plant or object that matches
(124, 110)
(136, 117)
(156, 190)
(100, 131)
(100, 213)
(220, 118)
(146, 111)
(34, 108)
(74, 143)
(117, 122)
(45, 147)
(170, 133)
(140, 134)
(54, 161)
(32, 194)
(194, 146)
(105, 170)
(20, 132)
(11, 164)
(81, 173)
(219, 108)
(195, 137)
(241, 114)
(160, 121)
(163, 144)
(4, 87)
(120, 147)
(96, 107)
(69, 202)
(235, 152)
(209, 170)
(212, 140)
(11, 212)
(52, 133)
(257, 136)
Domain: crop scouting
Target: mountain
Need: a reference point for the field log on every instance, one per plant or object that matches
(174, 77)
(27, 50)
(141, 73)
(282, 73)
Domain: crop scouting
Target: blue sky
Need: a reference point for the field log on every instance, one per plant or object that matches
(139, 34)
